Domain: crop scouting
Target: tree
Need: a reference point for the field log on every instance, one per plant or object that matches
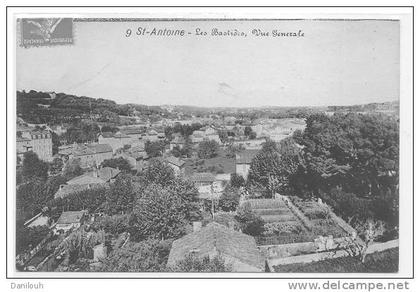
(229, 200)
(120, 197)
(223, 136)
(250, 223)
(355, 153)
(252, 135)
(34, 167)
(154, 149)
(208, 149)
(188, 147)
(193, 263)
(92, 200)
(163, 208)
(73, 168)
(56, 142)
(56, 166)
(119, 163)
(266, 168)
(367, 232)
(275, 166)
(158, 172)
(237, 180)
(144, 256)
(158, 214)
(28, 238)
(247, 130)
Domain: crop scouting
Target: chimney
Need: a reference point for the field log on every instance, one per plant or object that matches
(196, 226)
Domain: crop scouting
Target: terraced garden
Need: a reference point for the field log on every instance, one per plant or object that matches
(293, 221)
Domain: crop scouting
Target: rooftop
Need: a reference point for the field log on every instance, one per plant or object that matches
(70, 217)
(175, 161)
(217, 238)
(202, 177)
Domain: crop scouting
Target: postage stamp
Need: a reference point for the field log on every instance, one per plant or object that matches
(46, 31)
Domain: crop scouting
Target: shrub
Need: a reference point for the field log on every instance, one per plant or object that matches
(278, 228)
(250, 223)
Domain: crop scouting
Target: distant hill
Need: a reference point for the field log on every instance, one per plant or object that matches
(55, 108)
(370, 107)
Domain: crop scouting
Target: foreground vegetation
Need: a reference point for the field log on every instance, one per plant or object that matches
(380, 262)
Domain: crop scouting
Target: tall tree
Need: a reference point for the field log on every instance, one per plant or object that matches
(159, 214)
(34, 167)
(208, 149)
(120, 196)
(119, 163)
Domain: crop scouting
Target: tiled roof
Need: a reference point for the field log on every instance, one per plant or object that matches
(246, 156)
(67, 190)
(107, 173)
(202, 177)
(175, 161)
(81, 151)
(70, 217)
(100, 148)
(85, 179)
(217, 238)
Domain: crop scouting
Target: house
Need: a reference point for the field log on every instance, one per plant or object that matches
(151, 136)
(70, 220)
(243, 162)
(40, 142)
(253, 144)
(23, 145)
(197, 136)
(239, 250)
(176, 164)
(177, 141)
(91, 154)
(211, 134)
(95, 179)
(117, 140)
(206, 184)
(136, 157)
(134, 133)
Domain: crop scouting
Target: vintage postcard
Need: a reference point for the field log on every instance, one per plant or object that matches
(222, 143)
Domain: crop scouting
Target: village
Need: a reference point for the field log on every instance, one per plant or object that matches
(183, 192)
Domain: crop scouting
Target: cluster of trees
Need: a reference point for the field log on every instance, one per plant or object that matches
(82, 132)
(208, 149)
(250, 133)
(185, 151)
(154, 149)
(350, 161)
(66, 108)
(184, 130)
(118, 163)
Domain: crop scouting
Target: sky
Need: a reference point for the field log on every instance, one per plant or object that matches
(335, 63)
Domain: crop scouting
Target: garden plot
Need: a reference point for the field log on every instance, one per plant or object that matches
(282, 226)
(319, 217)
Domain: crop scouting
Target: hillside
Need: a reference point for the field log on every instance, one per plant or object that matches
(52, 108)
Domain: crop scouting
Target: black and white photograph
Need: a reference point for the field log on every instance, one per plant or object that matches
(198, 145)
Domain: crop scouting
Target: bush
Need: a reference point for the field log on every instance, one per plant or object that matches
(314, 214)
(250, 223)
(279, 218)
(280, 228)
(115, 224)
